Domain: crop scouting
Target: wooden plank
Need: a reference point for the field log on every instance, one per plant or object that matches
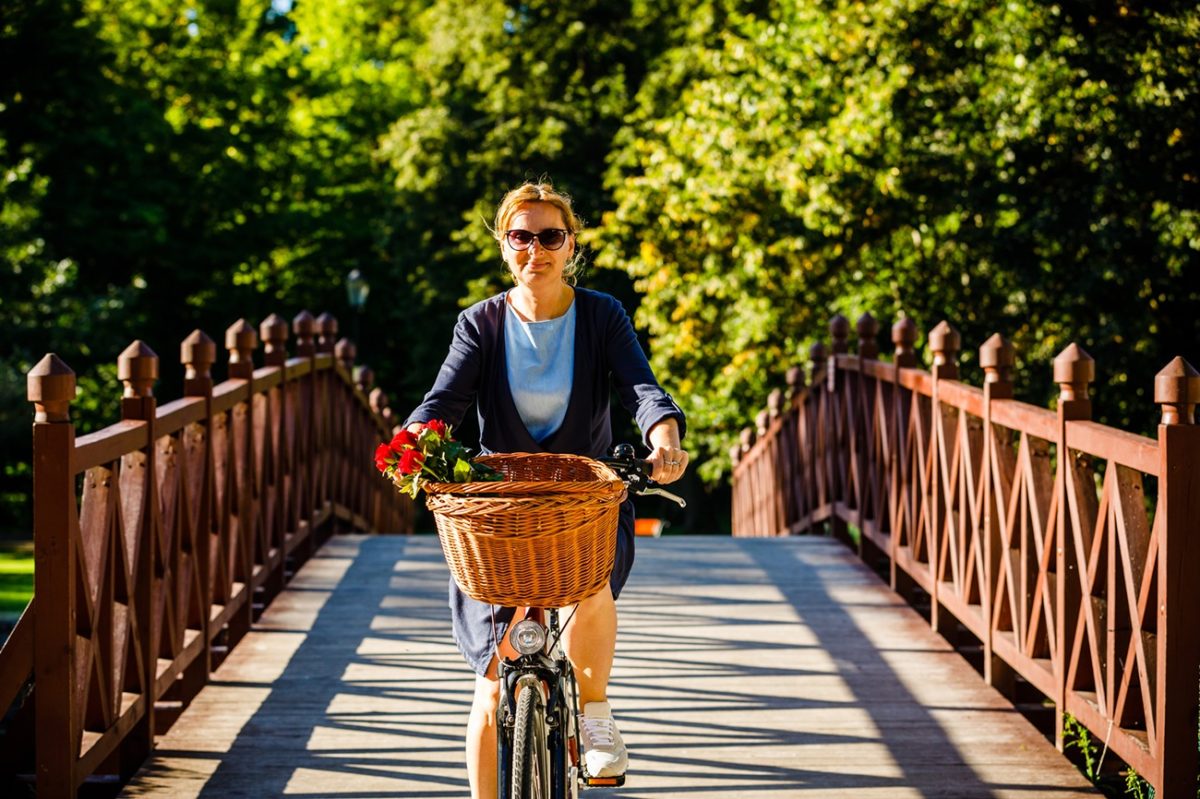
(745, 667)
(1128, 449)
(178, 414)
(105, 446)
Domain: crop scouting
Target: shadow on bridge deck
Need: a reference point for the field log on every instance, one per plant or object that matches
(748, 667)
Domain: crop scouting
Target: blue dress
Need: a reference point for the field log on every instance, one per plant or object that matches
(607, 356)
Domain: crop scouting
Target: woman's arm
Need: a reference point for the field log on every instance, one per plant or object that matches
(668, 457)
(457, 381)
(655, 412)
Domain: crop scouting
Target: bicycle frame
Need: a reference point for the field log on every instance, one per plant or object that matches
(550, 672)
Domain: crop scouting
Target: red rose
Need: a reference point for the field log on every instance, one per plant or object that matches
(382, 453)
(437, 426)
(402, 440)
(410, 461)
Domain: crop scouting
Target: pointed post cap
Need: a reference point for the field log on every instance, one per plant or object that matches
(274, 332)
(50, 386)
(747, 439)
(839, 329)
(735, 454)
(197, 353)
(904, 337)
(817, 354)
(775, 402)
(304, 326)
(240, 341)
(364, 377)
(997, 357)
(345, 351)
(762, 420)
(795, 380)
(945, 343)
(1073, 370)
(327, 328)
(868, 329)
(137, 368)
(1177, 389)
(378, 400)
(944, 338)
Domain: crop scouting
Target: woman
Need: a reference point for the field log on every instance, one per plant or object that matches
(538, 360)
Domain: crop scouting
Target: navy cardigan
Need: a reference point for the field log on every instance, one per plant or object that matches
(607, 353)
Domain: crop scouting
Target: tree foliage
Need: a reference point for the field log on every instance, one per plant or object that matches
(1022, 167)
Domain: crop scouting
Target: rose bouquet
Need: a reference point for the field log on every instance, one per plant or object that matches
(430, 455)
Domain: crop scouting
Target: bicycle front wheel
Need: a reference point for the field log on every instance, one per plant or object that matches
(531, 755)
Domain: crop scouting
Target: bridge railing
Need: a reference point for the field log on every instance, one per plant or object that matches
(1071, 550)
(158, 539)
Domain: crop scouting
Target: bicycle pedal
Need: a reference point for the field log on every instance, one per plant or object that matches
(604, 782)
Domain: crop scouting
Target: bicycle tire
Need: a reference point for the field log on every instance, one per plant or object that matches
(531, 757)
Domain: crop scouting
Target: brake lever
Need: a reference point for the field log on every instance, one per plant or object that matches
(636, 474)
(661, 492)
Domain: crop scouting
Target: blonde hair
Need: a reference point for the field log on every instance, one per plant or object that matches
(541, 192)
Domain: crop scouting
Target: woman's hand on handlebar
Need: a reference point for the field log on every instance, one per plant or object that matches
(666, 456)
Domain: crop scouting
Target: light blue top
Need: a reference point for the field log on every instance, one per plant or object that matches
(541, 367)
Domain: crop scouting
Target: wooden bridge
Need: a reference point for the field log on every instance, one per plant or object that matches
(204, 625)
(745, 668)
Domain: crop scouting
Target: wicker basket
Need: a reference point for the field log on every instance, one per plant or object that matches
(544, 537)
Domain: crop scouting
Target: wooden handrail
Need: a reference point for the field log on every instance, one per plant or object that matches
(1029, 527)
(159, 538)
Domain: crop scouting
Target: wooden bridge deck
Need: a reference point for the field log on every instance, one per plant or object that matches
(746, 668)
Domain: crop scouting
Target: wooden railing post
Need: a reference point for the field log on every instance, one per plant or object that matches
(304, 443)
(997, 357)
(241, 341)
(867, 328)
(904, 337)
(794, 416)
(945, 344)
(323, 455)
(277, 465)
(861, 482)
(1177, 389)
(51, 387)
(345, 352)
(1074, 369)
(137, 369)
(838, 438)
(198, 353)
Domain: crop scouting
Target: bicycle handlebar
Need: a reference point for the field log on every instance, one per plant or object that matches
(635, 472)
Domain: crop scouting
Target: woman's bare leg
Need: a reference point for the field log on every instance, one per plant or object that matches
(481, 727)
(481, 737)
(590, 640)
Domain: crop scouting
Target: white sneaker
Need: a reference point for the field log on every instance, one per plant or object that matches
(603, 750)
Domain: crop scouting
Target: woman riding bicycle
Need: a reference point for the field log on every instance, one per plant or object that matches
(538, 360)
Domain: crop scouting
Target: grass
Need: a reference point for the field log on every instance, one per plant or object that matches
(16, 580)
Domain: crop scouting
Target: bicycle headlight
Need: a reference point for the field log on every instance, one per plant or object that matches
(528, 636)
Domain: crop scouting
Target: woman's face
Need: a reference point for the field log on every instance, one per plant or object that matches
(535, 266)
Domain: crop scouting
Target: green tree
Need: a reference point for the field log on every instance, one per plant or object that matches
(1021, 168)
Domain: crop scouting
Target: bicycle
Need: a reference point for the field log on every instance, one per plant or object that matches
(538, 752)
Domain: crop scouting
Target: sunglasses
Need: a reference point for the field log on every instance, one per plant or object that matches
(552, 238)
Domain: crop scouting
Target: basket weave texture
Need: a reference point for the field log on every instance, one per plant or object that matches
(544, 537)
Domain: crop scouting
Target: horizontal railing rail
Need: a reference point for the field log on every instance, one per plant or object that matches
(158, 539)
(1068, 548)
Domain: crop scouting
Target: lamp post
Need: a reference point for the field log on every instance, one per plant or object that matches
(357, 290)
